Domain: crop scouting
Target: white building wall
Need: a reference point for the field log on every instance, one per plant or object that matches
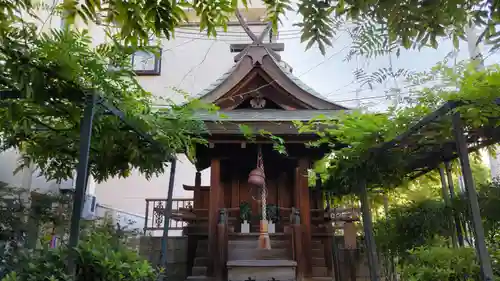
(29, 179)
(190, 62)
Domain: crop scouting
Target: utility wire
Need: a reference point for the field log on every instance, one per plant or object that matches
(224, 38)
(281, 31)
(199, 64)
(323, 61)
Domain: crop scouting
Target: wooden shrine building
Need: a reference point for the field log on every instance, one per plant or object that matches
(259, 93)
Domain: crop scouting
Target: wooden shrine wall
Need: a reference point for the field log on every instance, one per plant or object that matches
(236, 189)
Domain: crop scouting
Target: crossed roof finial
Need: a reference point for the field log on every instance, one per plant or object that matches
(256, 41)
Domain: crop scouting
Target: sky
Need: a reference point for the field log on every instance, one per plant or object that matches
(332, 75)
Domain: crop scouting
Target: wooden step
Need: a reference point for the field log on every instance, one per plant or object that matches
(318, 262)
(255, 235)
(318, 253)
(320, 271)
(253, 244)
(257, 254)
(201, 261)
(199, 271)
(315, 244)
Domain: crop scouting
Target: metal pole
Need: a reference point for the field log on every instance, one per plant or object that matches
(371, 248)
(81, 176)
(447, 202)
(477, 225)
(167, 214)
(451, 188)
(390, 258)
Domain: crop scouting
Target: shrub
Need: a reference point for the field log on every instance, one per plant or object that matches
(101, 255)
(437, 262)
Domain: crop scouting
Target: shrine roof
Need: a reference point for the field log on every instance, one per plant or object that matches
(250, 115)
(260, 58)
(286, 71)
(217, 83)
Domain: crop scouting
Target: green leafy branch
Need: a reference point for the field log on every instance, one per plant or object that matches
(52, 73)
(361, 133)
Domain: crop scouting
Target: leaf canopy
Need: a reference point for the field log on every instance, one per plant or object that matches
(365, 153)
(47, 77)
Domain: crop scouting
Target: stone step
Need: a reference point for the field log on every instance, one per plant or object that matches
(201, 261)
(257, 254)
(317, 279)
(199, 278)
(320, 271)
(252, 244)
(203, 242)
(201, 252)
(318, 262)
(199, 271)
(261, 270)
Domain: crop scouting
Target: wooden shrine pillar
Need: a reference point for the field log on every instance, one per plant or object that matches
(350, 248)
(302, 199)
(350, 235)
(213, 212)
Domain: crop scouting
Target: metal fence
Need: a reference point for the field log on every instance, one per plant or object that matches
(155, 214)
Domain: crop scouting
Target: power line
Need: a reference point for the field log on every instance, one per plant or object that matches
(223, 38)
(284, 31)
(323, 61)
(370, 98)
(196, 66)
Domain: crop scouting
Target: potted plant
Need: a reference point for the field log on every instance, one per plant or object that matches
(245, 214)
(272, 217)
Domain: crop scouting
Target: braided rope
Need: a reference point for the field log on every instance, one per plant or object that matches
(260, 165)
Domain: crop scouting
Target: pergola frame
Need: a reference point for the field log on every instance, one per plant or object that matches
(427, 157)
(91, 102)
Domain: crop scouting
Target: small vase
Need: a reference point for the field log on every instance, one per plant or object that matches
(245, 227)
(271, 227)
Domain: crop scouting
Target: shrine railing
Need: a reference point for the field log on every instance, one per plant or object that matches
(155, 213)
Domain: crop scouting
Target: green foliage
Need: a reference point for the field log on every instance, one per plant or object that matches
(489, 202)
(437, 262)
(18, 221)
(250, 134)
(408, 24)
(360, 134)
(412, 226)
(272, 212)
(137, 20)
(380, 76)
(370, 40)
(276, 9)
(101, 255)
(317, 27)
(245, 211)
(416, 223)
(53, 73)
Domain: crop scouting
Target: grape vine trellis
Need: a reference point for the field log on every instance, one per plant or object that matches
(384, 150)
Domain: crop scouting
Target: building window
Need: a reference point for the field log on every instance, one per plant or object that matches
(146, 63)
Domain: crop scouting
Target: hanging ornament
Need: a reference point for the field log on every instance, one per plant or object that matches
(257, 176)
